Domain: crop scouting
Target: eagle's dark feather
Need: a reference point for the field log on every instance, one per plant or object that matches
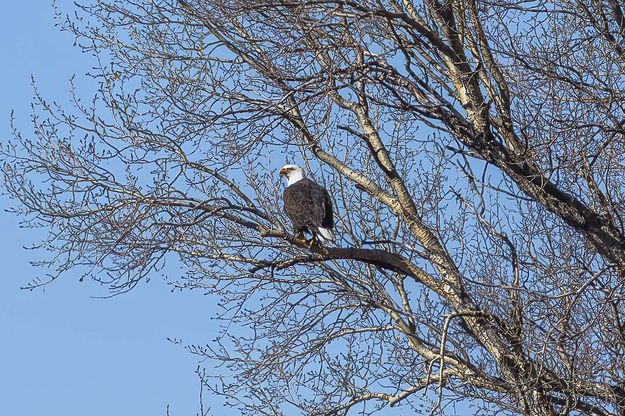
(309, 206)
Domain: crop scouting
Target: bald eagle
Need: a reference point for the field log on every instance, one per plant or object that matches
(307, 204)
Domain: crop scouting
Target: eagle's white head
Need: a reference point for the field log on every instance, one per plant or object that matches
(293, 173)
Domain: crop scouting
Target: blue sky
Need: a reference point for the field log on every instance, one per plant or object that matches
(63, 351)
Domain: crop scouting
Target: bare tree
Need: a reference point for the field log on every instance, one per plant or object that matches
(474, 151)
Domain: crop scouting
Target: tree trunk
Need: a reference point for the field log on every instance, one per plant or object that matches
(536, 404)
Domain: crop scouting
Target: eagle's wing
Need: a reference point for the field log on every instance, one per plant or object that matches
(320, 206)
(308, 204)
(328, 219)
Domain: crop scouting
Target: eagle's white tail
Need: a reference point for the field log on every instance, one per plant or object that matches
(325, 235)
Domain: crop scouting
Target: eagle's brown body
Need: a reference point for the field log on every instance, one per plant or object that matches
(309, 207)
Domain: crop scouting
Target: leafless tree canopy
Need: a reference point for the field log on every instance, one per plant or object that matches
(474, 151)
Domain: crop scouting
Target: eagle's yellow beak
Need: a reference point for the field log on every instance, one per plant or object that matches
(283, 171)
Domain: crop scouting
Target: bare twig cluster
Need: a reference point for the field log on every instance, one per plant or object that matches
(474, 151)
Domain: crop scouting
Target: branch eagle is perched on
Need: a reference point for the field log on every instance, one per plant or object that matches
(308, 205)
